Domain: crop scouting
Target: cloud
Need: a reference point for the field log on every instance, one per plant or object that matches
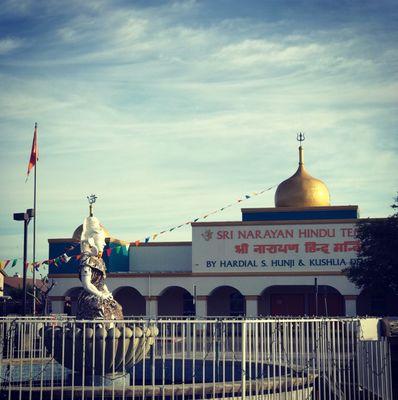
(9, 44)
(252, 52)
(16, 7)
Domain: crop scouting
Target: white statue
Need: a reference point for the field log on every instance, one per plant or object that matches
(95, 301)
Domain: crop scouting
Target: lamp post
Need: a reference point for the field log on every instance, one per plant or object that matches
(26, 217)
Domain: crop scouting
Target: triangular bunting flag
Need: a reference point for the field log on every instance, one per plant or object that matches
(2, 265)
(147, 239)
(137, 242)
(14, 263)
(154, 236)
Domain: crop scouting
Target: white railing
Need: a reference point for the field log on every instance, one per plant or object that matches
(59, 357)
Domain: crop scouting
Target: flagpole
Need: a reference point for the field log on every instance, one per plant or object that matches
(34, 234)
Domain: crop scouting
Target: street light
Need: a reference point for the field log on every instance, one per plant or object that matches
(26, 217)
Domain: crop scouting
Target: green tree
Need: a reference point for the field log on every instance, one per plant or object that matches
(377, 265)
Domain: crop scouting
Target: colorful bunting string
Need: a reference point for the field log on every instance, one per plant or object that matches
(123, 246)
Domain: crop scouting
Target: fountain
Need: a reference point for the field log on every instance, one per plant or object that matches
(102, 354)
(100, 350)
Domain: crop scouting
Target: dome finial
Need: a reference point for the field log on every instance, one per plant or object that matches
(301, 138)
(91, 200)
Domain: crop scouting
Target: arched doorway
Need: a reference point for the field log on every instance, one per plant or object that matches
(131, 300)
(292, 300)
(176, 301)
(226, 301)
(70, 300)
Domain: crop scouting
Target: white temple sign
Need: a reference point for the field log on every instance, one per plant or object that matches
(261, 248)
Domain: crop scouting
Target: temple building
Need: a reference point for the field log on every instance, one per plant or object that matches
(285, 260)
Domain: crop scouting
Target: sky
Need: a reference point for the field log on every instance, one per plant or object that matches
(167, 110)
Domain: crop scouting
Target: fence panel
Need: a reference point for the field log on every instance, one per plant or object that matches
(281, 359)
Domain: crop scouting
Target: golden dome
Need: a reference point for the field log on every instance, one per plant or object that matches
(77, 234)
(302, 190)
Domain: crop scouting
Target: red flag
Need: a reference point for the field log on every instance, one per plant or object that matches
(34, 154)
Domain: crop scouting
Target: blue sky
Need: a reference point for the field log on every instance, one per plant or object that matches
(170, 109)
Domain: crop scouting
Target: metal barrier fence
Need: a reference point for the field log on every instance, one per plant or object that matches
(50, 358)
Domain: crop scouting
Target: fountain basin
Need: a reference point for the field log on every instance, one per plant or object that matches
(99, 349)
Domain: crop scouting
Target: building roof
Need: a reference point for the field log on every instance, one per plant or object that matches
(16, 282)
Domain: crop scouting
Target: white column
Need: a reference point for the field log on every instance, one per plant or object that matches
(201, 306)
(251, 306)
(57, 306)
(350, 305)
(151, 306)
